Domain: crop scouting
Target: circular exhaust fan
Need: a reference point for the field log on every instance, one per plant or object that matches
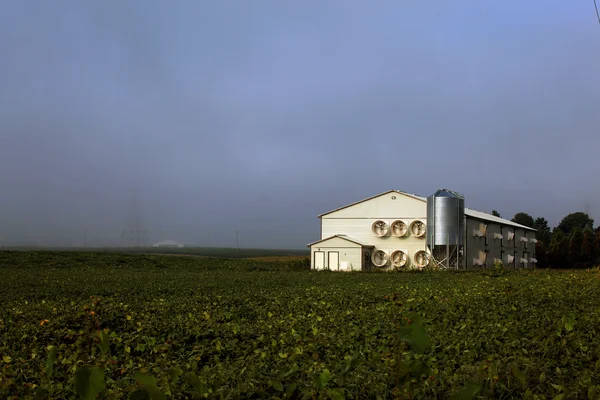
(417, 228)
(399, 228)
(421, 258)
(379, 258)
(380, 228)
(399, 259)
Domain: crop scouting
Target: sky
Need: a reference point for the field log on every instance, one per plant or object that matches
(204, 118)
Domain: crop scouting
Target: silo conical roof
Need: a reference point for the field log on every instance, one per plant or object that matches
(448, 193)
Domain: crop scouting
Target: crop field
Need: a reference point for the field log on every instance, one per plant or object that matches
(114, 326)
(226, 252)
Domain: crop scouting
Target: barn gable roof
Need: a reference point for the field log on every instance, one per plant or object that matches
(343, 237)
(469, 212)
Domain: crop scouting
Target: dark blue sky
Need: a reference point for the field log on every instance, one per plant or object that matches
(258, 116)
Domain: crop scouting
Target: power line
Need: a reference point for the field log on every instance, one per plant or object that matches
(597, 14)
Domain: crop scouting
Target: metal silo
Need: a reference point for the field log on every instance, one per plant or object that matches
(446, 227)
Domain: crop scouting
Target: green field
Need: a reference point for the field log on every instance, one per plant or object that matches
(226, 252)
(153, 326)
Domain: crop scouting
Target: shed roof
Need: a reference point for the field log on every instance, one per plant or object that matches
(469, 212)
(344, 237)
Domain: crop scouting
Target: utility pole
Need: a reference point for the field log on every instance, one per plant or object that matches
(237, 241)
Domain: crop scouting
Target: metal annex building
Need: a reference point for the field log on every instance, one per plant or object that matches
(398, 230)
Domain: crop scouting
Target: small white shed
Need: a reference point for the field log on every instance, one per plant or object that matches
(340, 253)
(168, 244)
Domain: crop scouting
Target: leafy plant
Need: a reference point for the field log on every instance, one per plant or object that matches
(83, 325)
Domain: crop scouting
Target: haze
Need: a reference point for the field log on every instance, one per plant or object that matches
(258, 116)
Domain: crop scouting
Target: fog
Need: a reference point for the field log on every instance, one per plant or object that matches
(207, 118)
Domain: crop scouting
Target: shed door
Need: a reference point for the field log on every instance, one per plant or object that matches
(334, 260)
(319, 260)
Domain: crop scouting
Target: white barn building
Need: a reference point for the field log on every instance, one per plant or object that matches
(390, 231)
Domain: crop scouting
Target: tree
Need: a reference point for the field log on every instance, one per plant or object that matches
(575, 242)
(575, 220)
(496, 214)
(541, 253)
(559, 249)
(543, 230)
(541, 224)
(597, 248)
(523, 219)
(587, 247)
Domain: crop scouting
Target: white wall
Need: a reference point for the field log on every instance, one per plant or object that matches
(348, 252)
(356, 222)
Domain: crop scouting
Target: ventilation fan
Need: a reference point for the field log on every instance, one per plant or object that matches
(421, 258)
(380, 228)
(524, 261)
(399, 228)
(483, 228)
(481, 260)
(483, 256)
(497, 236)
(510, 259)
(399, 259)
(533, 240)
(379, 258)
(533, 260)
(477, 262)
(417, 228)
(511, 235)
(523, 239)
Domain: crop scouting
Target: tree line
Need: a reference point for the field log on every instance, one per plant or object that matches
(574, 243)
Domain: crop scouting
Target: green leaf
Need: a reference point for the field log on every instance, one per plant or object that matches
(196, 383)
(139, 394)
(569, 324)
(175, 373)
(148, 383)
(89, 382)
(542, 377)
(104, 345)
(557, 387)
(324, 377)
(593, 393)
(469, 391)
(351, 363)
(403, 369)
(41, 394)
(518, 374)
(559, 396)
(419, 368)
(416, 336)
(336, 394)
(289, 392)
(50, 362)
(276, 384)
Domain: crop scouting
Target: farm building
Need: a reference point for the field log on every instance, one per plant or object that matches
(168, 244)
(394, 230)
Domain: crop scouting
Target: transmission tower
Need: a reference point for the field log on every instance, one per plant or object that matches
(134, 232)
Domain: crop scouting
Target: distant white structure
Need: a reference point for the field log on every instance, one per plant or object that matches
(168, 243)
